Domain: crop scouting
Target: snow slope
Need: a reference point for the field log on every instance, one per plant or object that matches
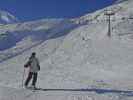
(83, 58)
(23, 36)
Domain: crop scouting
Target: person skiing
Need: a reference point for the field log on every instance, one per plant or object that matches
(34, 67)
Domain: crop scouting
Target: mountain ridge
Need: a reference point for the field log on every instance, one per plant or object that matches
(7, 18)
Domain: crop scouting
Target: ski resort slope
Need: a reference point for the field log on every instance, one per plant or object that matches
(78, 59)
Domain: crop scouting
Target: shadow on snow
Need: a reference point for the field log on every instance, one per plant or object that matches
(99, 91)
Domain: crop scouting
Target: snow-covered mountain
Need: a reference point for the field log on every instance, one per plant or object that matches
(74, 54)
(7, 18)
(19, 37)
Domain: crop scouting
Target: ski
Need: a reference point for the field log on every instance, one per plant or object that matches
(31, 88)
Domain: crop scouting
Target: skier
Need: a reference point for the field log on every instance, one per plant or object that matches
(34, 67)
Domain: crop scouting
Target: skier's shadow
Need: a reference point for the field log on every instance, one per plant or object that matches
(99, 91)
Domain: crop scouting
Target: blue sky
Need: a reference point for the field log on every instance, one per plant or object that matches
(37, 9)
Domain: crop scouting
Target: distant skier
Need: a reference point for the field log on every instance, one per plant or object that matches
(34, 67)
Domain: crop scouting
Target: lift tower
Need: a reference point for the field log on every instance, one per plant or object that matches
(109, 13)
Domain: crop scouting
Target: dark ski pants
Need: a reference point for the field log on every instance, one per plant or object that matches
(30, 75)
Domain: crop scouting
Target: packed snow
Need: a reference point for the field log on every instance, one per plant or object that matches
(78, 60)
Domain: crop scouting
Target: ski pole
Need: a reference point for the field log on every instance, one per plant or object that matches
(23, 77)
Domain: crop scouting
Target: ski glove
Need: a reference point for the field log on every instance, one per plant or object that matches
(27, 64)
(38, 67)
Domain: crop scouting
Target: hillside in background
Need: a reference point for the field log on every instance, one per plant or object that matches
(7, 18)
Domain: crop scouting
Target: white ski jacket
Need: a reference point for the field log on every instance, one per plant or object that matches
(34, 64)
